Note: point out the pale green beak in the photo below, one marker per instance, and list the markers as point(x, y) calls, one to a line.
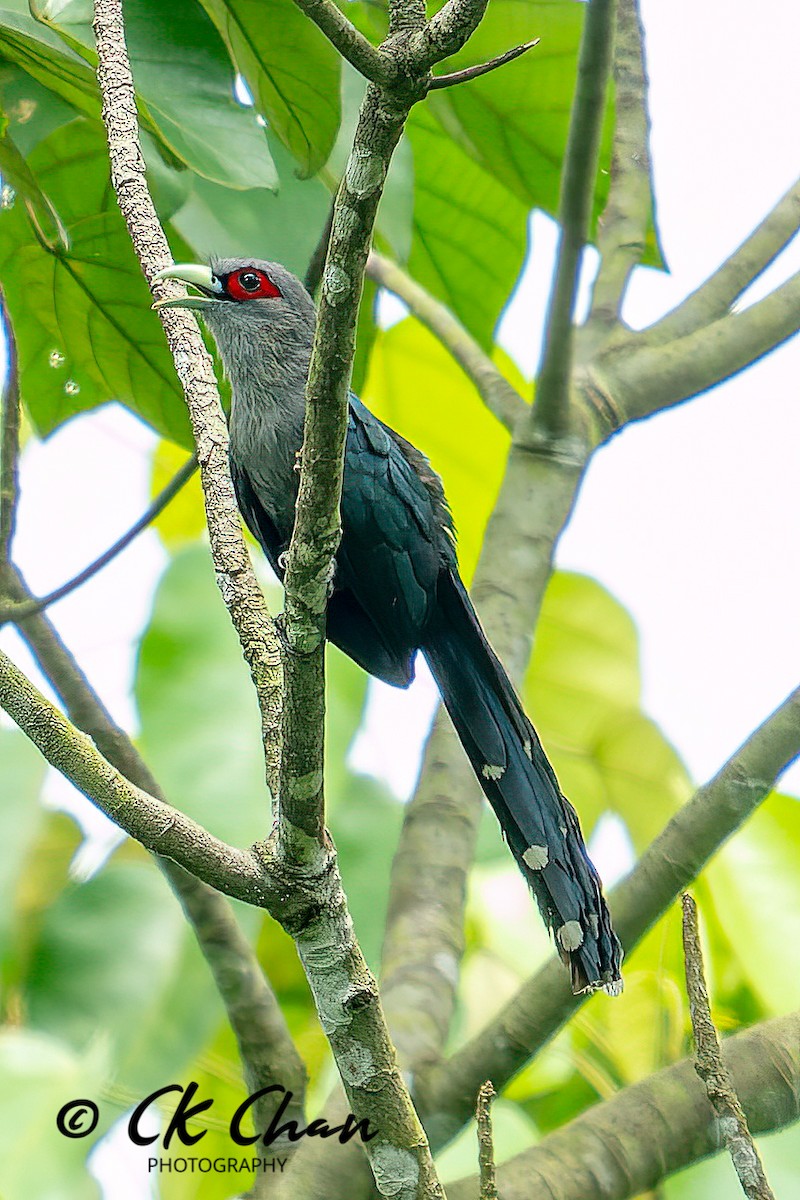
point(197, 275)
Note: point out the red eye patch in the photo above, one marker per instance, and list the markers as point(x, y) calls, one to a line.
point(249, 283)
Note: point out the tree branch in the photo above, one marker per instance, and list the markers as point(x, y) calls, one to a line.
point(33, 604)
point(714, 298)
point(9, 439)
point(370, 62)
point(469, 73)
point(499, 396)
point(622, 229)
point(628, 1144)
point(237, 582)
point(267, 1051)
point(644, 378)
point(447, 1095)
point(483, 1117)
point(447, 31)
point(550, 414)
point(713, 1071)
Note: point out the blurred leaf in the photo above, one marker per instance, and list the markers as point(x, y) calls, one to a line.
point(21, 774)
point(184, 80)
point(755, 889)
point(470, 232)
point(200, 727)
point(583, 691)
point(415, 386)
point(281, 226)
point(33, 110)
point(366, 333)
point(38, 1074)
point(82, 319)
point(716, 1178)
point(183, 520)
point(16, 172)
point(43, 54)
point(291, 69)
point(513, 1133)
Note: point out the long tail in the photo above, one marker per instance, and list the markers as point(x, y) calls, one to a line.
point(539, 824)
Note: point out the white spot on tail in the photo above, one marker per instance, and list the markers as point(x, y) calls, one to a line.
point(535, 857)
point(570, 935)
point(614, 988)
point(490, 771)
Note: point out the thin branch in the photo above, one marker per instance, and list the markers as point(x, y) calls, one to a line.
point(622, 229)
point(234, 571)
point(34, 604)
point(447, 1096)
point(9, 439)
point(163, 830)
point(644, 378)
point(626, 1145)
point(714, 298)
point(486, 1166)
point(550, 415)
point(469, 73)
point(713, 1071)
point(499, 396)
point(351, 44)
point(267, 1051)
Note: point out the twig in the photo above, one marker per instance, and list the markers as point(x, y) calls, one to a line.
point(713, 1071)
point(9, 439)
point(36, 604)
point(550, 414)
point(486, 1167)
point(351, 44)
point(235, 576)
point(644, 377)
point(267, 1051)
point(627, 1144)
point(499, 396)
point(622, 229)
point(676, 857)
point(713, 299)
point(469, 73)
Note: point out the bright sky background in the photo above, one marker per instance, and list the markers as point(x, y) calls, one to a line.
point(691, 519)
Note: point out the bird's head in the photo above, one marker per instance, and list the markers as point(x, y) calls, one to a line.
point(251, 307)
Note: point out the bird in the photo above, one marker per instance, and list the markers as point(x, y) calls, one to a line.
point(396, 588)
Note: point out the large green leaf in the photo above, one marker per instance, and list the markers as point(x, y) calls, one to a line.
point(84, 331)
point(184, 81)
point(44, 55)
point(291, 69)
point(469, 232)
point(33, 110)
point(583, 692)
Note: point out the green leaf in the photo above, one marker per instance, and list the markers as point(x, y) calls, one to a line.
point(282, 226)
point(470, 232)
point(184, 81)
point(43, 54)
point(291, 69)
point(200, 727)
point(755, 890)
point(39, 1074)
point(21, 775)
point(82, 319)
point(33, 110)
point(415, 386)
point(17, 173)
point(583, 692)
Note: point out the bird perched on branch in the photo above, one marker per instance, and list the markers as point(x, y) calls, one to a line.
point(396, 588)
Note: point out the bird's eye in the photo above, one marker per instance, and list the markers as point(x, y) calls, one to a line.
point(249, 283)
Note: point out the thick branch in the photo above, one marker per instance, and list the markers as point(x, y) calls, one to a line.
point(550, 414)
point(352, 45)
point(9, 439)
point(622, 229)
point(237, 582)
point(265, 1045)
point(676, 857)
point(644, 378)
point(627, 1145)
point(713, 1071)
point(448, 31)
point(714, 298)
point(499, 396)
point(33, 604)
